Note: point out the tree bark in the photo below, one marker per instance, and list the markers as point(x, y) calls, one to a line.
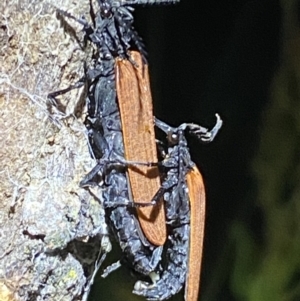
point(51, 229)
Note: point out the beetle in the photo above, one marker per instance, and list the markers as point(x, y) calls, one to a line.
point(185, 208)
point(105, 135)
point(113, 33)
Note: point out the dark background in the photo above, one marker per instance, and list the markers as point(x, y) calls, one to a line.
point(210, 57)
point(207, 57)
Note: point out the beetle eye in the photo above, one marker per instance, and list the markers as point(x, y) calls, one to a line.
point(173, 138)
point(105, 10)
point(105, 13)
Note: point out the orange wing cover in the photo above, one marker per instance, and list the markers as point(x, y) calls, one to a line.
point(136, 110)
point(197, 207)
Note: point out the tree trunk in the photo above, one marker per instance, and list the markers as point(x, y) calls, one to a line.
point(46, 219)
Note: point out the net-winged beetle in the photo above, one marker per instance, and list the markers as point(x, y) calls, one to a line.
point(185, 214)
point(113, 34)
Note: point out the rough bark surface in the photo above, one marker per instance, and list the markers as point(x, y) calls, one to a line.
point(49, 227)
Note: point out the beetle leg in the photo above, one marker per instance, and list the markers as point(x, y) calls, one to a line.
point(204, 134)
